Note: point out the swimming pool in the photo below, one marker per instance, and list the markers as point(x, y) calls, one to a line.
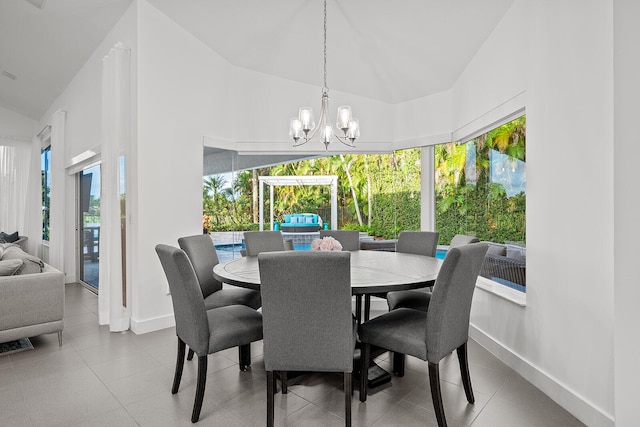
point(230, 251)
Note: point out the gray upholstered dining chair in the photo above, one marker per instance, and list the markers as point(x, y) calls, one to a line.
point(419, 299)
point(433, 334)
point(203, 256)
point(349, 239)
point(418, 242)
point(263, 241)
point(204, 331)
point(308, 325)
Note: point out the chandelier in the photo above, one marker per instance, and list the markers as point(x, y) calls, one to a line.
point(303, 128)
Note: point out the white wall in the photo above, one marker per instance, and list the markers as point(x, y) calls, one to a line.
point(626, 233)
point(183, 94)
point(16, 126)
point(423, 121)
point(563, 340)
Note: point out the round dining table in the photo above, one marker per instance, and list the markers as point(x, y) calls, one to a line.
point(372, 272)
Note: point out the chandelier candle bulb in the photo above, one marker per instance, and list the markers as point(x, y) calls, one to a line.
point(344, 117)
point(354, 130)
point(327, 134)
point(295, 130)
point(306, 118)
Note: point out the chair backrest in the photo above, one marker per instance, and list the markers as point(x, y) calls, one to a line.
point(349, 239)
point(306, 311)
point(418, 242)
point(450, 304)
point(188, 303)
point(263, 241)
point(461, 239)
point(203, 256)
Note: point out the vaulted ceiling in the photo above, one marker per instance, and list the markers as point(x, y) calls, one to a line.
point(392, 51)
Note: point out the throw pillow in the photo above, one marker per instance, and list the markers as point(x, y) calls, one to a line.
point(9, 238)
point(9, 267)
point(308, 220)
point(30, 263)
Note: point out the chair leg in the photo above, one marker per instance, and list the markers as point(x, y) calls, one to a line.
point(398, 364)
point(270, 399)
point(364, 370)
point(283, 380)
point(60, 338)
point(244, 355)
point(436, 395)
point(202, 382)
point(347, 398)
point(179, 365)
point(464, 371)
point(190, 355)
point(367, 307)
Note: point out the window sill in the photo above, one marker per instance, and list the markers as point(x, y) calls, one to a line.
point(502, 291)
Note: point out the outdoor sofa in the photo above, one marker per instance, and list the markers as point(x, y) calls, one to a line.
point(301, 223)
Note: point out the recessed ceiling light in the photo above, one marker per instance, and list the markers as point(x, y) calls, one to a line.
point(37, 3)
point(8, 74)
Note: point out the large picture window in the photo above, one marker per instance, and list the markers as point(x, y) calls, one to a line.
point(480, 190)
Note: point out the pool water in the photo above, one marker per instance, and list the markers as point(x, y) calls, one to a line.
point(230, 251)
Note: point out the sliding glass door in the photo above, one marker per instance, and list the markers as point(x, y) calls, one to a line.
point(89, 225)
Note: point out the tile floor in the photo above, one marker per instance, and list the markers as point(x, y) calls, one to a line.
point(98, 378)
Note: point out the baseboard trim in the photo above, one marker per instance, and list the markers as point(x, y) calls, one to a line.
point(150, 325)
point(573, 402)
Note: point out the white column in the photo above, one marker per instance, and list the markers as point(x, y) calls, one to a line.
point(261, 207)
point(427, 190)
point(334, 204)
point(271, 204)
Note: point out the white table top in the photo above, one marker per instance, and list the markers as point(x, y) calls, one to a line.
point(371, 272)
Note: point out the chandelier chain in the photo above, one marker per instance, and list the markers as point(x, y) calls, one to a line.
point(325, 88)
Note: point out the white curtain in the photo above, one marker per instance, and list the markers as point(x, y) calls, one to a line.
point(15, 168)
point(114, 295)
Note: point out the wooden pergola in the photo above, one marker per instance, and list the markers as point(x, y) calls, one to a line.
point(281, 181)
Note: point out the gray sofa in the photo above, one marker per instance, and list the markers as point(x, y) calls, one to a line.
point(31, 299)
point(506, 264)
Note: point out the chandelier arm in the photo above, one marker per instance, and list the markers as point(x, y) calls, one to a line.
point(346, 141)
